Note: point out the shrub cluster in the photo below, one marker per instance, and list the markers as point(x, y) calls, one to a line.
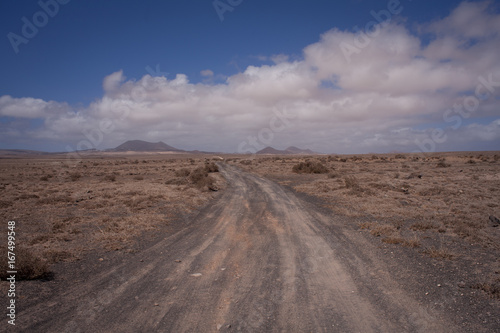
point(201, 179)
point(211, 167)
point(309, 167)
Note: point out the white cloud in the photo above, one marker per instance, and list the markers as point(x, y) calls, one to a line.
point(113, 81)
point(207, 73)
point(30, 107)
point(373, 100)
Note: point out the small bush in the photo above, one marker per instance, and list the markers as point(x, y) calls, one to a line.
point(412, 242)
point(309, 167)
point(439, 253)
point(378, 230)
point(356, 189)
point(351, 182)
point(28, 265)
point(110, 178)
point(422, 226)
point(492, 288)
point(393, 239)
point(200, 178)
point(184, 172)
point(75, 176)
point(442, 164)
point(211, 167)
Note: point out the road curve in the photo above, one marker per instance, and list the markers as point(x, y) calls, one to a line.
point(258, 260)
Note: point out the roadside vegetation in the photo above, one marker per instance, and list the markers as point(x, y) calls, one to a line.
point(63, 210)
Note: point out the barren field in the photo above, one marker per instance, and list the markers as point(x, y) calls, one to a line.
point(177, 243)
point(64, 209)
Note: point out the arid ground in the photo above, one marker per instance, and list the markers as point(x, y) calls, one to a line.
point(173, 243)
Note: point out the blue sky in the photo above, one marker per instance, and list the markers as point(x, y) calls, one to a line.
point(53, 94)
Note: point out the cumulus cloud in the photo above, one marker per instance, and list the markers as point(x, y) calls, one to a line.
point(30, 107)
point(113, 81)
point(375, 97)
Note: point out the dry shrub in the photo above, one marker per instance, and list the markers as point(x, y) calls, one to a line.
point(211, 167)
point(422, 225)
point(412, 242)
point(200, 178)
point(26, 196)
point(138, 178)
point(442, 164)
point(463, 230)
point(136, 204)
point(366, 225)
point(184, 172)
point(40, 239)
point(28, 265)
point(110, 178)
point(352, 183)
point(309, 167)
point(332, 175)
point(492, 288)
point(378, 229)
point(439, 253)
point(393, 239)
point(5, 203)
point(74, 176)
point(246, 162)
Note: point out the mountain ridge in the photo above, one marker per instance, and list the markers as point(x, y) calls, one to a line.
point(292, 150)
point(144, 146)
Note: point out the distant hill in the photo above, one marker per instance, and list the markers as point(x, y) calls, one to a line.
point(139, 145)
point(21, 152)
point(288, 151)
point(295, 150)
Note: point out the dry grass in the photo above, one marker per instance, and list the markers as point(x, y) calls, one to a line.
point(439, 252)
point(491, 287)
point(28, 265)
point(64, 209)
point(436, 193)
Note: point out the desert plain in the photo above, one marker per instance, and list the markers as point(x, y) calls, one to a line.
point(435, 215)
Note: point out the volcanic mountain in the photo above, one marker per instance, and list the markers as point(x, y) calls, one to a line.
point(139, 145)
point(288, 151)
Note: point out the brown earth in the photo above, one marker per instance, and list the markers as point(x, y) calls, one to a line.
point(260, 256)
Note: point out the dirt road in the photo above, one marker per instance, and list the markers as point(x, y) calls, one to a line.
point(259, 260)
